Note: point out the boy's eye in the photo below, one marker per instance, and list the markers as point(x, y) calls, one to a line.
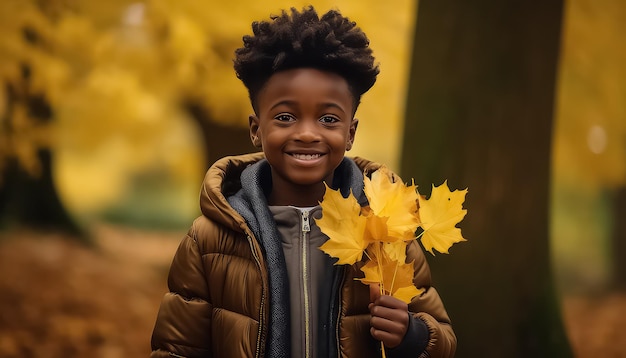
point(284, 117)
point(329, 119)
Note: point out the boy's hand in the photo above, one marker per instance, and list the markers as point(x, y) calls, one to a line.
point(390, 317)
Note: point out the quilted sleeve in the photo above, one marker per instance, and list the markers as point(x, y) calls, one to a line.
point(183, 324)
point(429, 308)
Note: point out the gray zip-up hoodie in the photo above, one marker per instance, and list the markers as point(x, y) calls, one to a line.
point(310, 274)
point(251, 203)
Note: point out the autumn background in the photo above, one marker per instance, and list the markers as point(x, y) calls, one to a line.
point(110, 113)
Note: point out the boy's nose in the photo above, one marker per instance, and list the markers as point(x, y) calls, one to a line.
point(307, 132)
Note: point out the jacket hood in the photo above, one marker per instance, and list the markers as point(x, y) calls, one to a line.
point(223, 180)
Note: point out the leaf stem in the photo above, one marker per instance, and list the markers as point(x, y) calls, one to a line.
point(379, 257)
point(393, 280)
point(381, 288)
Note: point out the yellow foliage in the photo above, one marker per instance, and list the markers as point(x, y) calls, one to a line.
point(590, 116)
point(122, 71)
point(341, 220)
point(383, 230)
point(395, 250)
point(396, 279)
point(439, 215)
point(394, 201)
point(376, 228)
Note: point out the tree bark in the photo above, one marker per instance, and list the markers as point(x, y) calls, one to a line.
point(479, 114)
point(220, 139)
point(33, 201)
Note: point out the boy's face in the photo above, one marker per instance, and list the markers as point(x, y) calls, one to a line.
point(304, 125)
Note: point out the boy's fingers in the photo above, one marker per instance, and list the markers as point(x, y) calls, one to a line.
point(392, 302)
point(390, 340)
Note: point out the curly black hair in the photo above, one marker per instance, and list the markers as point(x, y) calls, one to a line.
point(302, 39)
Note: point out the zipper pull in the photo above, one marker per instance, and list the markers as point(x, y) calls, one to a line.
point(305, 221)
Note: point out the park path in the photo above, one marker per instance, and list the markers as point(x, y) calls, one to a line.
point(62, 299)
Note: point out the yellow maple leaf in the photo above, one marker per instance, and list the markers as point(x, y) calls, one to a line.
point(376, 229)
point(345, 227)
point(395, 278)
point(439, 215)
point(395, 250)
point(407, 293)
point(395, 201)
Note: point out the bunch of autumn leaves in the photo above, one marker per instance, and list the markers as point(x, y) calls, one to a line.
point(382, 230)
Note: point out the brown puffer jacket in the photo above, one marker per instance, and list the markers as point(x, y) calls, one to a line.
point(218, 303)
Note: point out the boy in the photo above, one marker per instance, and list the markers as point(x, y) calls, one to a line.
point(249, 279)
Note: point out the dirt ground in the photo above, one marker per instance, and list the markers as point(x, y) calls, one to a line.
point(61, 299)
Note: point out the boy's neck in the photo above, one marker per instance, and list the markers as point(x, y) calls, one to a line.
point(300, 196)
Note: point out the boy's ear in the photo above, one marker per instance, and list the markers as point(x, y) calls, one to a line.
point(253, 121)
point(352, 133)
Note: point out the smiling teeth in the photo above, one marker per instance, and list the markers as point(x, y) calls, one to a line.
point(306, 156)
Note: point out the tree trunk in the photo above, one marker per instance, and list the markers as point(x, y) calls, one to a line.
point(479, 113)
point(27, 200)
point(33, 201)
point(221, 140)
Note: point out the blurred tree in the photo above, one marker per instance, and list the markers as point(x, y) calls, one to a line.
point(590, 135)
point(116, 75)
point(76, 75)
point(28, 194)
point(27, 191)
point(479, 114)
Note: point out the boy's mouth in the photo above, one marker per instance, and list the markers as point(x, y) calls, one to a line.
point(305, 156)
